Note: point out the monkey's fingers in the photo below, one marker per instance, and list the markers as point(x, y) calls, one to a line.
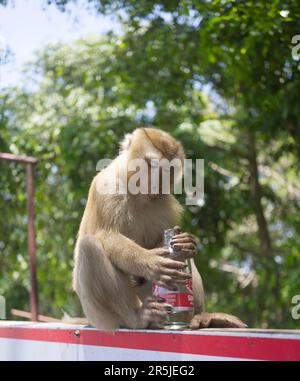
point(200, 321)
point(152, 315)
point(179, 281)
point(153, 299)
point(158, 321)
point(157, 313)
point(176, 274)
point(186, 242)
point(170, 283)
point(184, 239)
point(183, 236)
point(185, 246)
point(153, 312)
point(188, 253)
point(167, 282)
point(161, 252)
point(160, 306)
point(157, 317)
point(172, 264)
point(177, 229)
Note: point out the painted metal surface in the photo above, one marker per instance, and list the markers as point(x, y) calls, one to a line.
point(53, 341)
point(31, 242)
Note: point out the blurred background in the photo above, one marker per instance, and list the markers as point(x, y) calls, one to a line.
point(222, 76)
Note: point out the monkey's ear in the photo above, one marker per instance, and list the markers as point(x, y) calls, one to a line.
point(126, 142)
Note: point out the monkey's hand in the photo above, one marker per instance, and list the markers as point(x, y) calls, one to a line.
point(216, 320)
point(153, 312)
point(184, 242)
point(166, 272)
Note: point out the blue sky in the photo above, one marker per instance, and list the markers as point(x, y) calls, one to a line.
point(27, 27)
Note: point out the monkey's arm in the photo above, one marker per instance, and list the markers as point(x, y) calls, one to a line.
point(204, 319)
point(135, 260)
point(123, 252)
point(187, 245)
point(198, 291)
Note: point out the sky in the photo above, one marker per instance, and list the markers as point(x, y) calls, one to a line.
point(27, 27)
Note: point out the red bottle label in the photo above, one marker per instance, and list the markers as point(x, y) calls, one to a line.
point(182, 298)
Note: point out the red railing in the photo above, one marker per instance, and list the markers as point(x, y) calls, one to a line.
point(29, 163)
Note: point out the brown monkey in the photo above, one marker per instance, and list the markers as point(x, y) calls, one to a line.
point(119, 250)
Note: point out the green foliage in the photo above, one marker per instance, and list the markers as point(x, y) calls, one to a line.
point(215, 74)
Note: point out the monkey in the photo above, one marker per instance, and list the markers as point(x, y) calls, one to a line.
point(119, 251)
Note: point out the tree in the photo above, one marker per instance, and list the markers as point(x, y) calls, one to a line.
point(87, 95)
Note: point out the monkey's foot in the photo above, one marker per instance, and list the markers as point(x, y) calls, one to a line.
point(153, 313)
point(216, 320)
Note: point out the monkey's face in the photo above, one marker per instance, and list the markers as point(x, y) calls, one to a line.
point(155, 162)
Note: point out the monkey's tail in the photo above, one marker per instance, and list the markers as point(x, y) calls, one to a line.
point(101, 287)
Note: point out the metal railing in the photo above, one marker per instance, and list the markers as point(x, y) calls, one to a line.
point(29, 163)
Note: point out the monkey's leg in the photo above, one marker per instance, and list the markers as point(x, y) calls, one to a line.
point(108, 298)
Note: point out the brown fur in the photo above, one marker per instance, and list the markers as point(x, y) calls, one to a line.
point(116, 235)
